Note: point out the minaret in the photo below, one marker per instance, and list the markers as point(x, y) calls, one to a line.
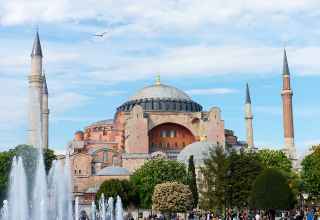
point(286, 94)
point(35, 95)
point(45, 113)
point(248, 119)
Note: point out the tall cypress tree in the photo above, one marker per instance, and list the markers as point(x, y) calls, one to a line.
point(192, 181)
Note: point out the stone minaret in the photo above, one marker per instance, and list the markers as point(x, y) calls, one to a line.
point(35, 95)
point(45, 114)
point(286, 94)
point(248, 119)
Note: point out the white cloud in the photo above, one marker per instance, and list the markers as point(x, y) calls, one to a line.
point(181, 14)
point(68, 100)
point(211, 91)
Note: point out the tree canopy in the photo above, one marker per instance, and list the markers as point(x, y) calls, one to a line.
point(192, 182)
point(271, 191)
point(115, 187)
point(274, 159)
point(213, 183)
point(154, 172)
point(311, 173)
point(172, 197)
point(243, 169)
point(29, 155)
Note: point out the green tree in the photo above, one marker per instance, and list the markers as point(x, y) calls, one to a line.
point(311, 173)
point(213, 185)
point(275, 159)
point(192, 182)
point(5, 166)
point(123, 188)
point(172, 197)
point(154, 172)
point(271, 191)
point(243, 169)
point(29, 155)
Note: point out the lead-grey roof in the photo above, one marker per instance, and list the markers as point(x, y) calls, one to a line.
point(160, 91)
point(248, 99)
point(44, 86)
point(285, 63)
point(199, 150)
point(113, 171)
point(36, 49)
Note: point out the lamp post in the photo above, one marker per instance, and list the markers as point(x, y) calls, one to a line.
point(305, 196)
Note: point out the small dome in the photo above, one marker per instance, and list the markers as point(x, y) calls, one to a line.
point(199, 150)
point(113, 171)
point(160, 91)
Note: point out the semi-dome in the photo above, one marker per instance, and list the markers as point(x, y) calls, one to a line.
point(113, 171)
point(160, 97)
point(199, 150)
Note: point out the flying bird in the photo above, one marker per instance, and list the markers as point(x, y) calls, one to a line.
point(100, 34)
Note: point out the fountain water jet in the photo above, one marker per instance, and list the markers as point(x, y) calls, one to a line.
point(119, 209)
point(93, 211)
point(76, 209)
point(17, 206)
point(110, 209)
point(40, 193)
point(60, 197)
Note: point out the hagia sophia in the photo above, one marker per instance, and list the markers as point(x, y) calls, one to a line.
point(159, 120)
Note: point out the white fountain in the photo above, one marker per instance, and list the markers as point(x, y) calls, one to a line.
point(18, 198)
point(93, 211)
point(60, 201)
point(119, 209)
point(50, 200)
point(40, 193)
point(110, 209)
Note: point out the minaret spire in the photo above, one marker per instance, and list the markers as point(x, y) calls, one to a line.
point(285, 63)
point(289, 147)
point(248, 119)
point(248, 99)
point(35, 95)
point(36, 49)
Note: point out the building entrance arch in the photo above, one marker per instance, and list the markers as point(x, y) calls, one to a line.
point(168, 137)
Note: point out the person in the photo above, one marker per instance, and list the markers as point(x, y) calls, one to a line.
point(83, 215)
point(257, 217)
point(229, 215)
point(310, 214)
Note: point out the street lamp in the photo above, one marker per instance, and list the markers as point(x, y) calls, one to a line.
point(305, 196)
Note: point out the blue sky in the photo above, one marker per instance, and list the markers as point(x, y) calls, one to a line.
point(208, 48)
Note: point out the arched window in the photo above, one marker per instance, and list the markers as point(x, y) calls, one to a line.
point(163, 133)
point(173, 133)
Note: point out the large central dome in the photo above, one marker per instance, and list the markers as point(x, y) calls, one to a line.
point(160, 97)
point(160, 91)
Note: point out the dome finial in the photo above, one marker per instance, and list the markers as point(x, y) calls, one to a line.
point(158, 80)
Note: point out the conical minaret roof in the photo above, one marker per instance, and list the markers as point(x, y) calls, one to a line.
point(285, 63)
point(248, 99)
point(44, 85)
point(36, 49)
